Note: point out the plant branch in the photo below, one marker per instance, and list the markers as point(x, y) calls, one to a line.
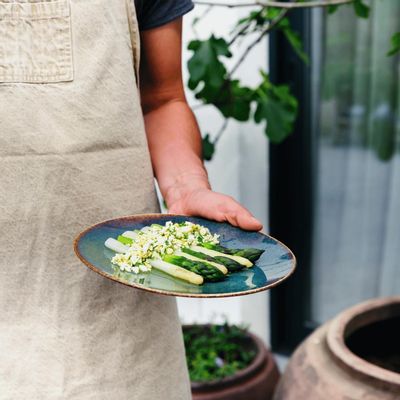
point(276, 4)
point(267, 29)
point(202, 16)
point(242, 31)
point(221, 131)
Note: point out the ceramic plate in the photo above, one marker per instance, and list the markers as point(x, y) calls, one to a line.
point(275, 265)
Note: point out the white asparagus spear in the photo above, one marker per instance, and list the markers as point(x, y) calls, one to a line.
point(177, 272)
point(116, 245)
point(130, 234)
point(170, 269)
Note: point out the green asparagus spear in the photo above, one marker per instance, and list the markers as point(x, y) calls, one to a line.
point(125, 240)
point(250, 253)
point(207, 271)
point(221, 267)
point(230, 264)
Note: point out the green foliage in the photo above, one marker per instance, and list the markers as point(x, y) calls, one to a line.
point(216, 352)
point(213, 84)
point(234, 100)
point(361, 9)
point(293, 38)
point(256, 20)
point(208, 148)
point(333, 8)
point(208, 78)
point(206, 66)
point(395, 43)
point(276, 106)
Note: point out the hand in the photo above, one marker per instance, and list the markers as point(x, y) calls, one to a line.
point(203, 202)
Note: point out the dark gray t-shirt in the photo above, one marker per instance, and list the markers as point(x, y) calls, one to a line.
point(154, 13)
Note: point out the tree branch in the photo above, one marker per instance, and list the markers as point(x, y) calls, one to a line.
point(267, 29)
point(199, 18)
point(243, 30)
point(221, 131)
point(276, 4)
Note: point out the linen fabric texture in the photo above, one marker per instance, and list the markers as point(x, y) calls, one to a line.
point(73, 152)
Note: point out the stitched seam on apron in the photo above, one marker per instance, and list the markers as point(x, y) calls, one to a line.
point(20, 61)
point(34, 11)
point(72, 153)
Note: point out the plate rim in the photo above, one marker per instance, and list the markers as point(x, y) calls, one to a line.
point(171, 293)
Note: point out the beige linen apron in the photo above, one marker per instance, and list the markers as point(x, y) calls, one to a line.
point(73, 152)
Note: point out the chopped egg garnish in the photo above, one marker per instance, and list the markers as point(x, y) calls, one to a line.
point(155, 241)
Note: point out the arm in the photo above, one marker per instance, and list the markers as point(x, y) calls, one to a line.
point(173, 135)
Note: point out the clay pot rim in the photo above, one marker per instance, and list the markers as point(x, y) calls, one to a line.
point(350, 320)
point(256, 365)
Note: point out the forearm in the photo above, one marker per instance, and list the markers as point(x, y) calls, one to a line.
point(175, 147)
point(173, 135)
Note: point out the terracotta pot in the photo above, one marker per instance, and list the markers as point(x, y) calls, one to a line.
point(354, 356)
point(255, 382)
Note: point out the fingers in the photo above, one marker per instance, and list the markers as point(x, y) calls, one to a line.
point(237, 215)
point(242, 218)
point(218, 207)
point(175, 209)
point(249, 223)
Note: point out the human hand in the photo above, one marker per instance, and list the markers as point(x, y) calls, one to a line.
point(203, 202)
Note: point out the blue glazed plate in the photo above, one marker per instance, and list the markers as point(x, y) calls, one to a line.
point(275, 265)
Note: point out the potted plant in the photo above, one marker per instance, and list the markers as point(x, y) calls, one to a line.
point(228, 362)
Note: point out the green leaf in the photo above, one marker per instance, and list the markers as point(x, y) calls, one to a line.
point(254, 16)
point(296, 43)
point(204, 65)
point(395, 42)
point(278, 107)
point(333, 8)
point(208, 78)
point(294, 39)
point(195, 21)
point(216, 351)
point(208, 148)
point(272, 12)
point(235, 101)
point(361, 9)
point(284, 24)
point(257, 20)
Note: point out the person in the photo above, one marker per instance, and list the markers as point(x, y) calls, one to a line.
point(73, 152)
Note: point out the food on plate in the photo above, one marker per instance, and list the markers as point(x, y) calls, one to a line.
point(251, 254)
point(183, 250)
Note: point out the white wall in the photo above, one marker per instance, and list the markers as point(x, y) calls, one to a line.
point(239, 168)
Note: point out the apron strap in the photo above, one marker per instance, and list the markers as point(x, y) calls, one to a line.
point(135, 36)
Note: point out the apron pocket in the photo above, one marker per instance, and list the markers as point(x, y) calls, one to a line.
point(35, 41)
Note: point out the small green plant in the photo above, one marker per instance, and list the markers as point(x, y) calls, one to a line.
point(216, 351)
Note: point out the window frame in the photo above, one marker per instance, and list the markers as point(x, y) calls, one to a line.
point(292, 166)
